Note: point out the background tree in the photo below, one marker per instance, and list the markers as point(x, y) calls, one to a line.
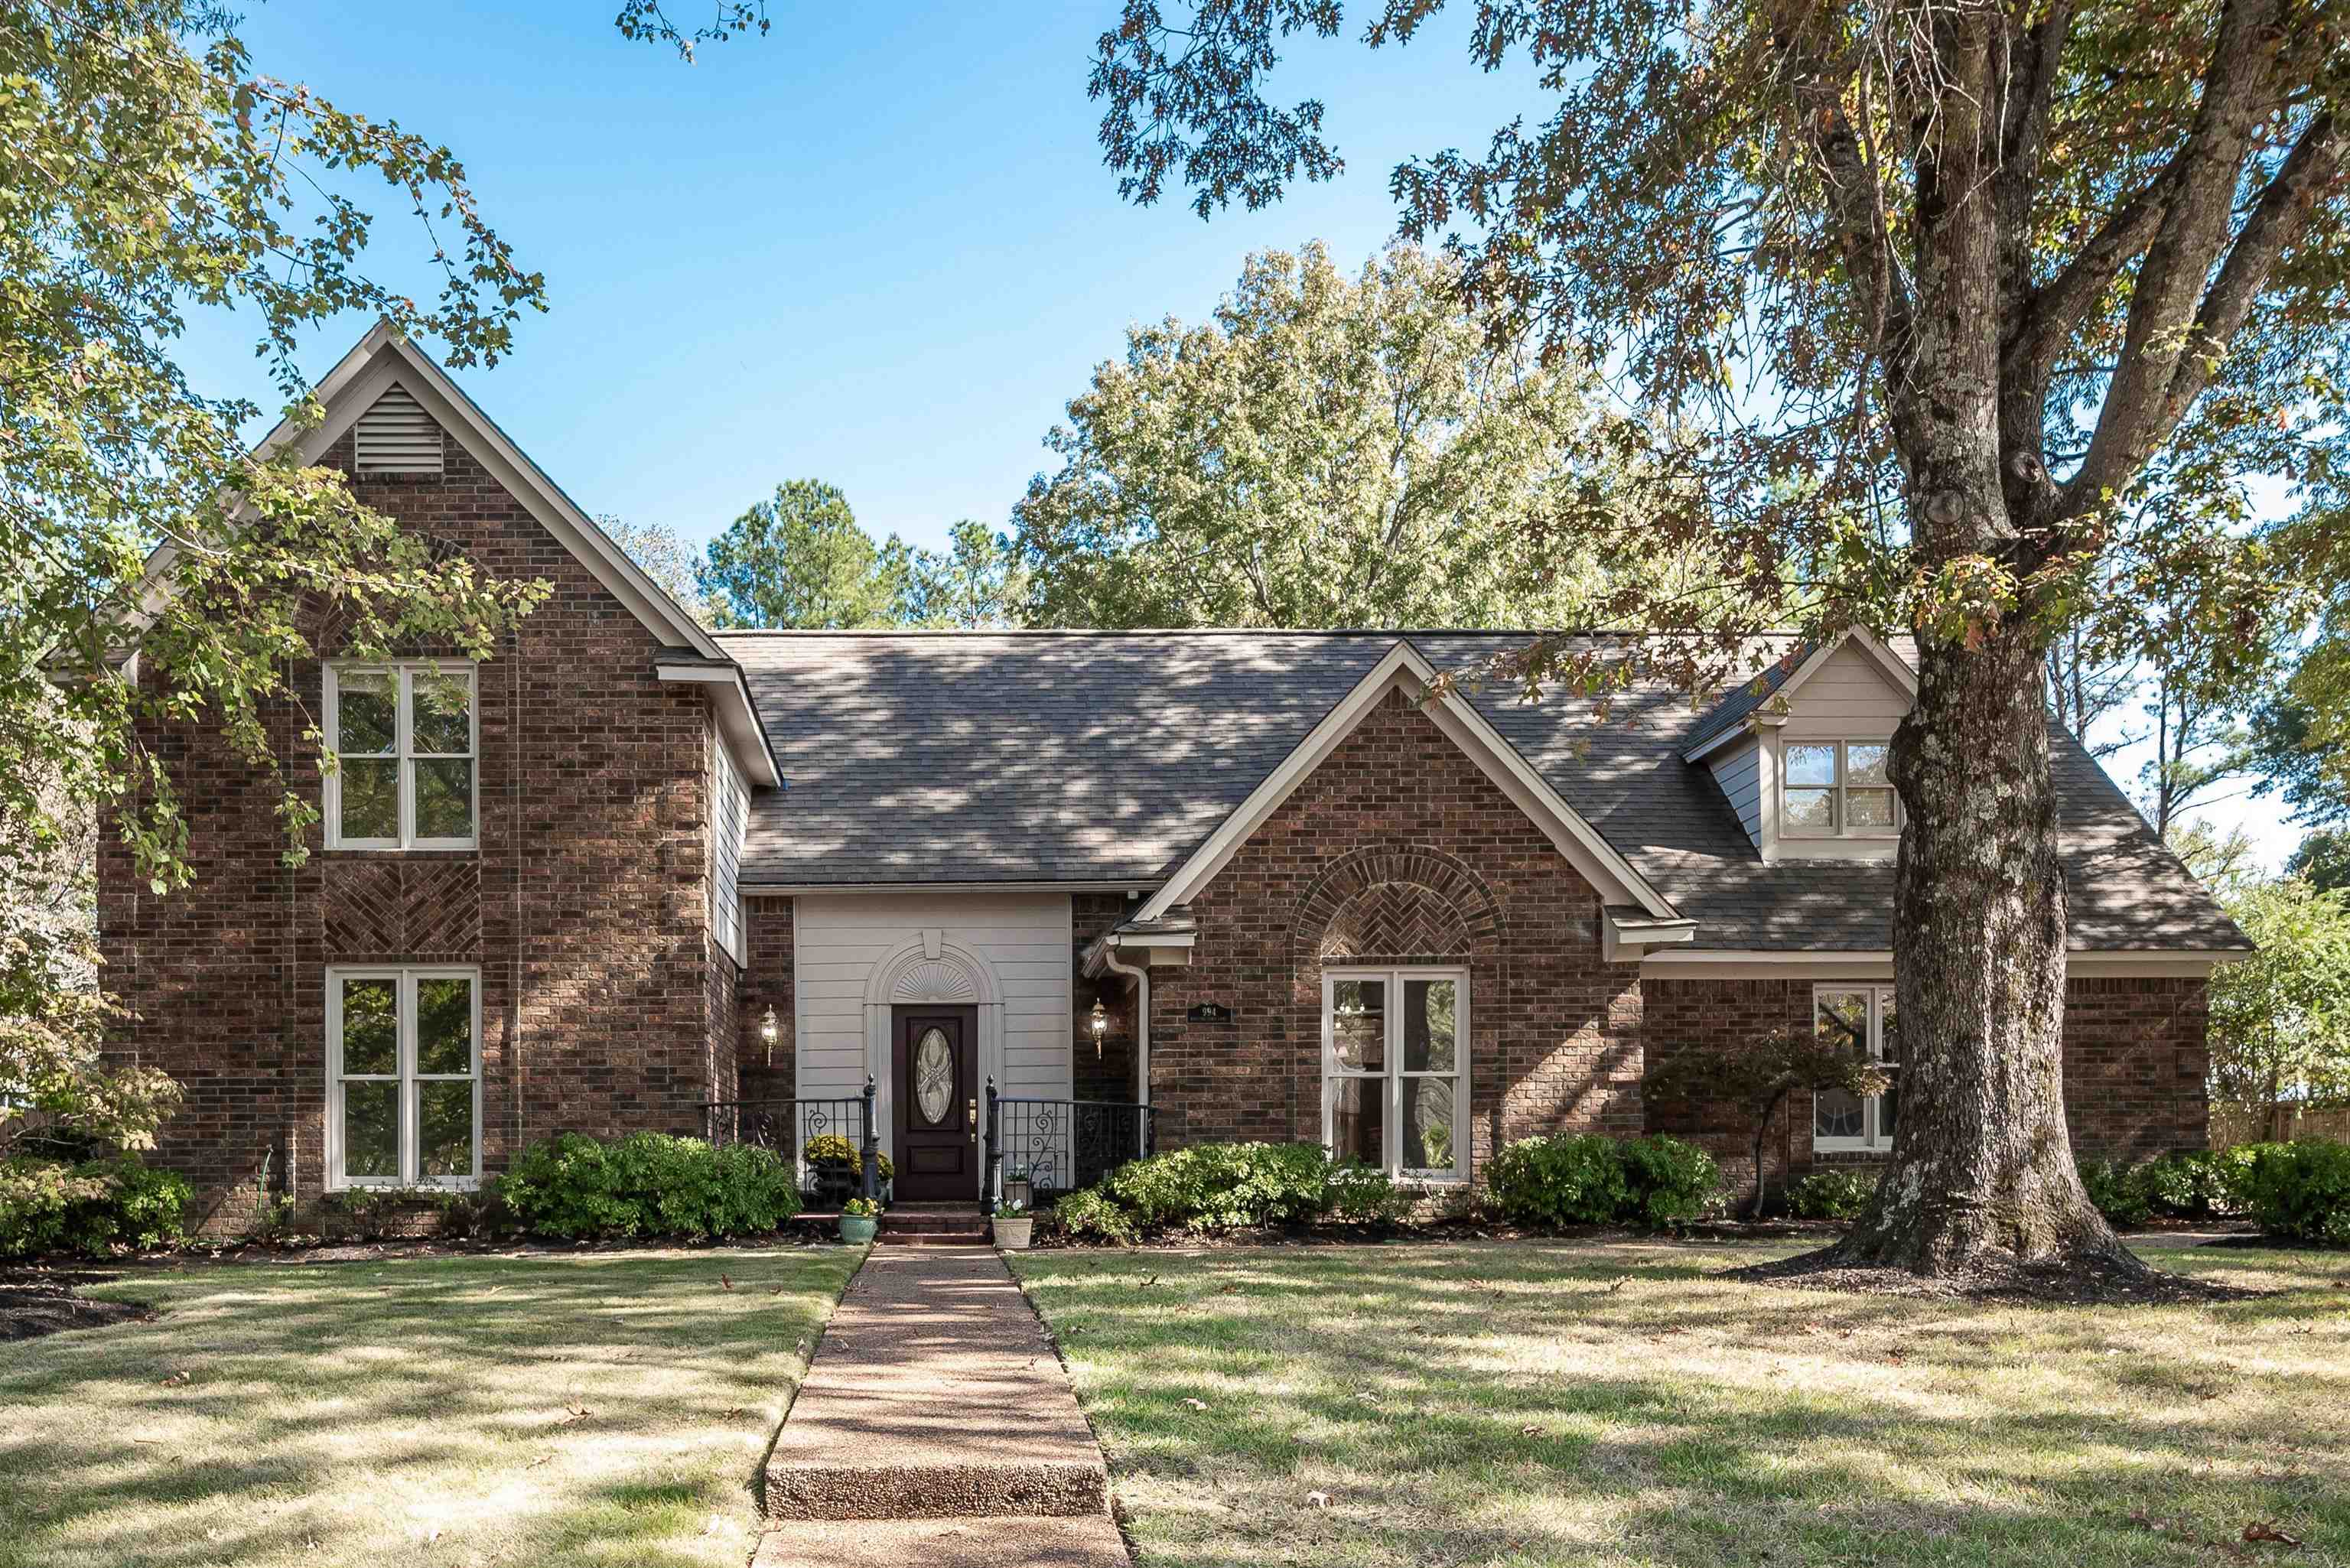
point(147, 170)
point(1759, 1074)
point(799, 559)
point(1325, 451)
point(1916, 293)
point(977, 583)
point(666, 558)
point(2281, 1020)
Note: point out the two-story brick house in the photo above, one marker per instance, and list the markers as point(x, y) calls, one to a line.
point(1257, 880)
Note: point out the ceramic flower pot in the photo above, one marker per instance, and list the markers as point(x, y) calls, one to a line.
point(857, 1229)
point(1012, 1235)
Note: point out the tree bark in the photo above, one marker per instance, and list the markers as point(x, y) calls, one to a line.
point(1981, 1162)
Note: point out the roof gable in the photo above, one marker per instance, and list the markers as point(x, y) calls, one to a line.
point(1777, 686)
point(1405, 669)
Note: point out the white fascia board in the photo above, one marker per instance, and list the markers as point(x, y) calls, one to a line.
point(796, 889)
point(1152, 939)
point(1405, 666)
point(1725, 964)
point(738, 717)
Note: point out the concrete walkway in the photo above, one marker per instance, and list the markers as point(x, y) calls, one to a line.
point(936, 1427)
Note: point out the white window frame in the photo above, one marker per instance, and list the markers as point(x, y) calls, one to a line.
point(404, 673)
point(404, 977)
point(1873, 1139)
point(1839, 792)
point(727, 786)
point(1392, 1075)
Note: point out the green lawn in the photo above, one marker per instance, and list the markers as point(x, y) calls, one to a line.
point(587, 1409)
point(1511, 1404)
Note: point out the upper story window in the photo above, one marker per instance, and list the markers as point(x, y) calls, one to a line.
point(729, 808)
point(1860, 1018)
point(1838, 789)
point(1395, 1070)
point(404, 737)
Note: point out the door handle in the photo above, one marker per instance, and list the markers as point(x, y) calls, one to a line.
point(970, 1108)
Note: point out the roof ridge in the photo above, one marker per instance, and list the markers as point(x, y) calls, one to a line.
point(1203, 631)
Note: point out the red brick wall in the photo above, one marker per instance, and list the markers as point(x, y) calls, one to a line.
point(2134, 1069)
point(585, 906)
point(1110, 1074)
point(1398, 840)
point(767, 983)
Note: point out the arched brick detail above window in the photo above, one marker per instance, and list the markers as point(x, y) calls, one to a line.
point(1393, 902)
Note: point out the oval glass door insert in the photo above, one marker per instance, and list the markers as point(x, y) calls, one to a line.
point(934, 1077)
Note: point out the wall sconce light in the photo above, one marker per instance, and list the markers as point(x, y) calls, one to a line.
point(770, 1031)
point(1100, 1024)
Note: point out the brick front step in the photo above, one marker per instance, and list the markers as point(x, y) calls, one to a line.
point(933, 1224)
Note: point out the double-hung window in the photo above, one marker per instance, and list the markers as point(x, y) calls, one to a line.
point(404, 738)
point(1395, 1069)
point(1838, 789)
point(1860, 1019)
point(403, 1077)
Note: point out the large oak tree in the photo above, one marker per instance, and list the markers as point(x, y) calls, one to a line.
point(1914, 293)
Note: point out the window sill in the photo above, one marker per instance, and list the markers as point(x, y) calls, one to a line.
point(409, 1189)
point(1852, 1147)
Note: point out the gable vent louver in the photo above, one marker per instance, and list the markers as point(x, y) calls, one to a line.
point(397, 436)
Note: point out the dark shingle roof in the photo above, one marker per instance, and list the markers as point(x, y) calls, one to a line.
point(1107, 757)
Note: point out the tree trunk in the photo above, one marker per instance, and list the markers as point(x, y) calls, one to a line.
point(1982, 1168)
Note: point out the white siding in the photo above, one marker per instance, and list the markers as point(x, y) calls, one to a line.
point(1025, 939)
point(1741, 776)
point(1846, 698)
point(729, 806)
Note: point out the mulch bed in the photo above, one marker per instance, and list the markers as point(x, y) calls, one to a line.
point(38, 1301)
point(2093, 1282)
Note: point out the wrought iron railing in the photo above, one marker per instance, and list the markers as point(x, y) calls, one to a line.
point(1059, 1146)
point(791, 1128)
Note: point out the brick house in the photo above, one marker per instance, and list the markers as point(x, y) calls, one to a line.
point(629, 870)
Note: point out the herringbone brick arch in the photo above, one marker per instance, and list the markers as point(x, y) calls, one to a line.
point(1402, 902)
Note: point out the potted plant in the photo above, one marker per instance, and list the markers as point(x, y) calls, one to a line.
point(1019, 1189)
point(1013, 1225)
point(860, 1218)
point(837, 1167)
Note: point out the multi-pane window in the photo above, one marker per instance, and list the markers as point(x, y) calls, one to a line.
point(729, 806)
point(403, 1077)
point(1395, 1054)
point(404, 738)
point(1837, 788)
point(1860, 1019)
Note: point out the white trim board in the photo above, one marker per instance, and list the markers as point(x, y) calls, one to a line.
point(1405, 666)
point(1724, 963)
point(1889, 664)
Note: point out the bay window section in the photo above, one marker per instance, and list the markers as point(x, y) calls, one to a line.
point(1860, 1019)
point(1395, 1070)
point(404, 742)
point(403, 1077)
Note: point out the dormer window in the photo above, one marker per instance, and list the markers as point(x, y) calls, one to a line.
point(1838, 789)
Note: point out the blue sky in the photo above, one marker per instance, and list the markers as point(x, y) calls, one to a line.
point(876, 247)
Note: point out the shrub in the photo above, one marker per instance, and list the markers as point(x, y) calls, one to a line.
point(838, 1148)
point(1225, 1186)
point(1093, 1212)
point(2196, 1184)
point(90, 1208)
point(2300, 1190)
point(1665, 1181)
point(2120, 1191)
point(1566, 1179)
point(1832, 1194)
point(651, 1184)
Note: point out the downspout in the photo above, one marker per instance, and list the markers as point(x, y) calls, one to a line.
point(1140, 974)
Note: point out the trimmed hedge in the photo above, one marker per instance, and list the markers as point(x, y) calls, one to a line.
point(2300, 1190)
point(1226, 1187)
point(2118, 1190)
point(90, 1208)
point(1586, 1179)
point(647, 1184)
point(1832, 1194)
point(2192, 1184)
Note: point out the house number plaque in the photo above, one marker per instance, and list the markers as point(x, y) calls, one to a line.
point(1211, 1013)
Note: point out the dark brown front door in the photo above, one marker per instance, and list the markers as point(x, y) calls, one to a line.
point(936, 1157)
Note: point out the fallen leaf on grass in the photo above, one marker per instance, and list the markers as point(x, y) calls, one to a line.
point(1529, 1430)
point(1196, 1404)
point(2261, 1531)
point(1318, 1498)
point(175, 1380)
point(777, 1292)
point(727, 1283)
point(575, 1413)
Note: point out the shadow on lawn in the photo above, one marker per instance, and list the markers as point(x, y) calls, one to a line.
point(1480, 1405)
point(583, 1409)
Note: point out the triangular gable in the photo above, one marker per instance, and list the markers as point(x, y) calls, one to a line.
point(384, 359)
point(1404, 666)
point(1728, 722)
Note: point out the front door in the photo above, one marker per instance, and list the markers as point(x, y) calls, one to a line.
point(937, 1156)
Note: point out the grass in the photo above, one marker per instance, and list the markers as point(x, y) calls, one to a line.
point(1512, 1404)
point(596, 1408)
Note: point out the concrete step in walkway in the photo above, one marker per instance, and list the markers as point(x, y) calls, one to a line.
point(934, 1224)
point(936, 1426)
